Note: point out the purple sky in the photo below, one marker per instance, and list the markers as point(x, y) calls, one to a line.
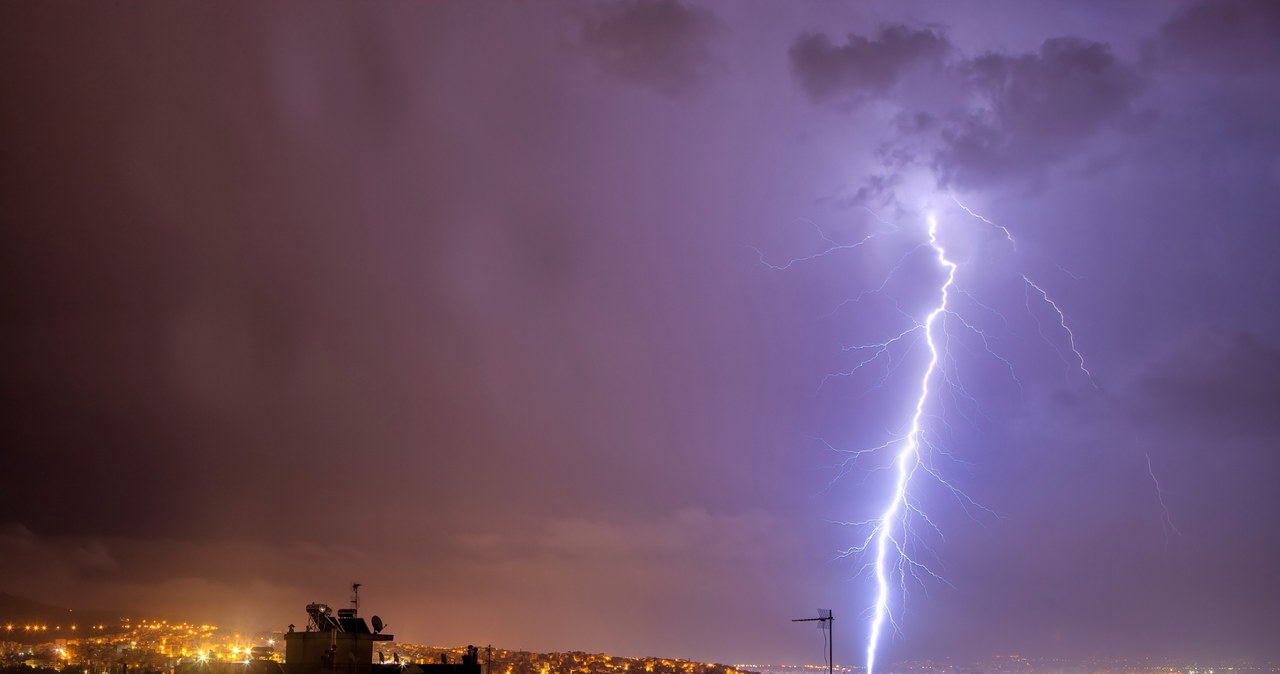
point(463, 301)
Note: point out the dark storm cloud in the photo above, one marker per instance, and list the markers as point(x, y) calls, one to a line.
point(1221, 381)
point(1036, 109)
point(861, 66)
point(998, 116)
point(664, 45)
point(1228, 50)
point(1231, 36)
point(876, 191)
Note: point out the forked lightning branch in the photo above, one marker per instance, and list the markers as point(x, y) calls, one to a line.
point(886, 545)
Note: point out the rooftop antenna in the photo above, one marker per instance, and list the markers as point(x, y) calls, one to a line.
point(355, 598)
point(824, 623)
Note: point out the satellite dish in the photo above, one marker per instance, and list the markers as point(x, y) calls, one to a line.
point(377, 625)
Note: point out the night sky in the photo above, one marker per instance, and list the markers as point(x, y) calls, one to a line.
point(488, 307)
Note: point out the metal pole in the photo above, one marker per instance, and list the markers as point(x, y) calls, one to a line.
point(828, 620)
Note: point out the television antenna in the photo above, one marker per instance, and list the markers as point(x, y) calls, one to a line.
point(824, 623)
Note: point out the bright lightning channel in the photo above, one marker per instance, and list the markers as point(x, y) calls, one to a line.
point(889, 534)
point(906, 463)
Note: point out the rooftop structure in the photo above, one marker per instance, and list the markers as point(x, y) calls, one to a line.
point(333, 644)
point(342, 643)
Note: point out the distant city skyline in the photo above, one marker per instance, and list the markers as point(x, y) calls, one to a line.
point(154, 642)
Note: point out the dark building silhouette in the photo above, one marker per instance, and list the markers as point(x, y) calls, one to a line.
point(332, 644)
point(343, 644)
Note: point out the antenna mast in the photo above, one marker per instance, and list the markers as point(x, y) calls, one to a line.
point(355, 598)
point(824, 623)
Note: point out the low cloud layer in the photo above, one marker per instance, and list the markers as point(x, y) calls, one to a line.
point(611, 572)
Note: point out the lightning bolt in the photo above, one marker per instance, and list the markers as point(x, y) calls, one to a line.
point(888, 540)
point(888, 535)
point(906, 463)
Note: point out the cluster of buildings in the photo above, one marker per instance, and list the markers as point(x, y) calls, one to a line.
point(142, 645)
point(343, 642)
point(501, 661)
point(329, 642)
